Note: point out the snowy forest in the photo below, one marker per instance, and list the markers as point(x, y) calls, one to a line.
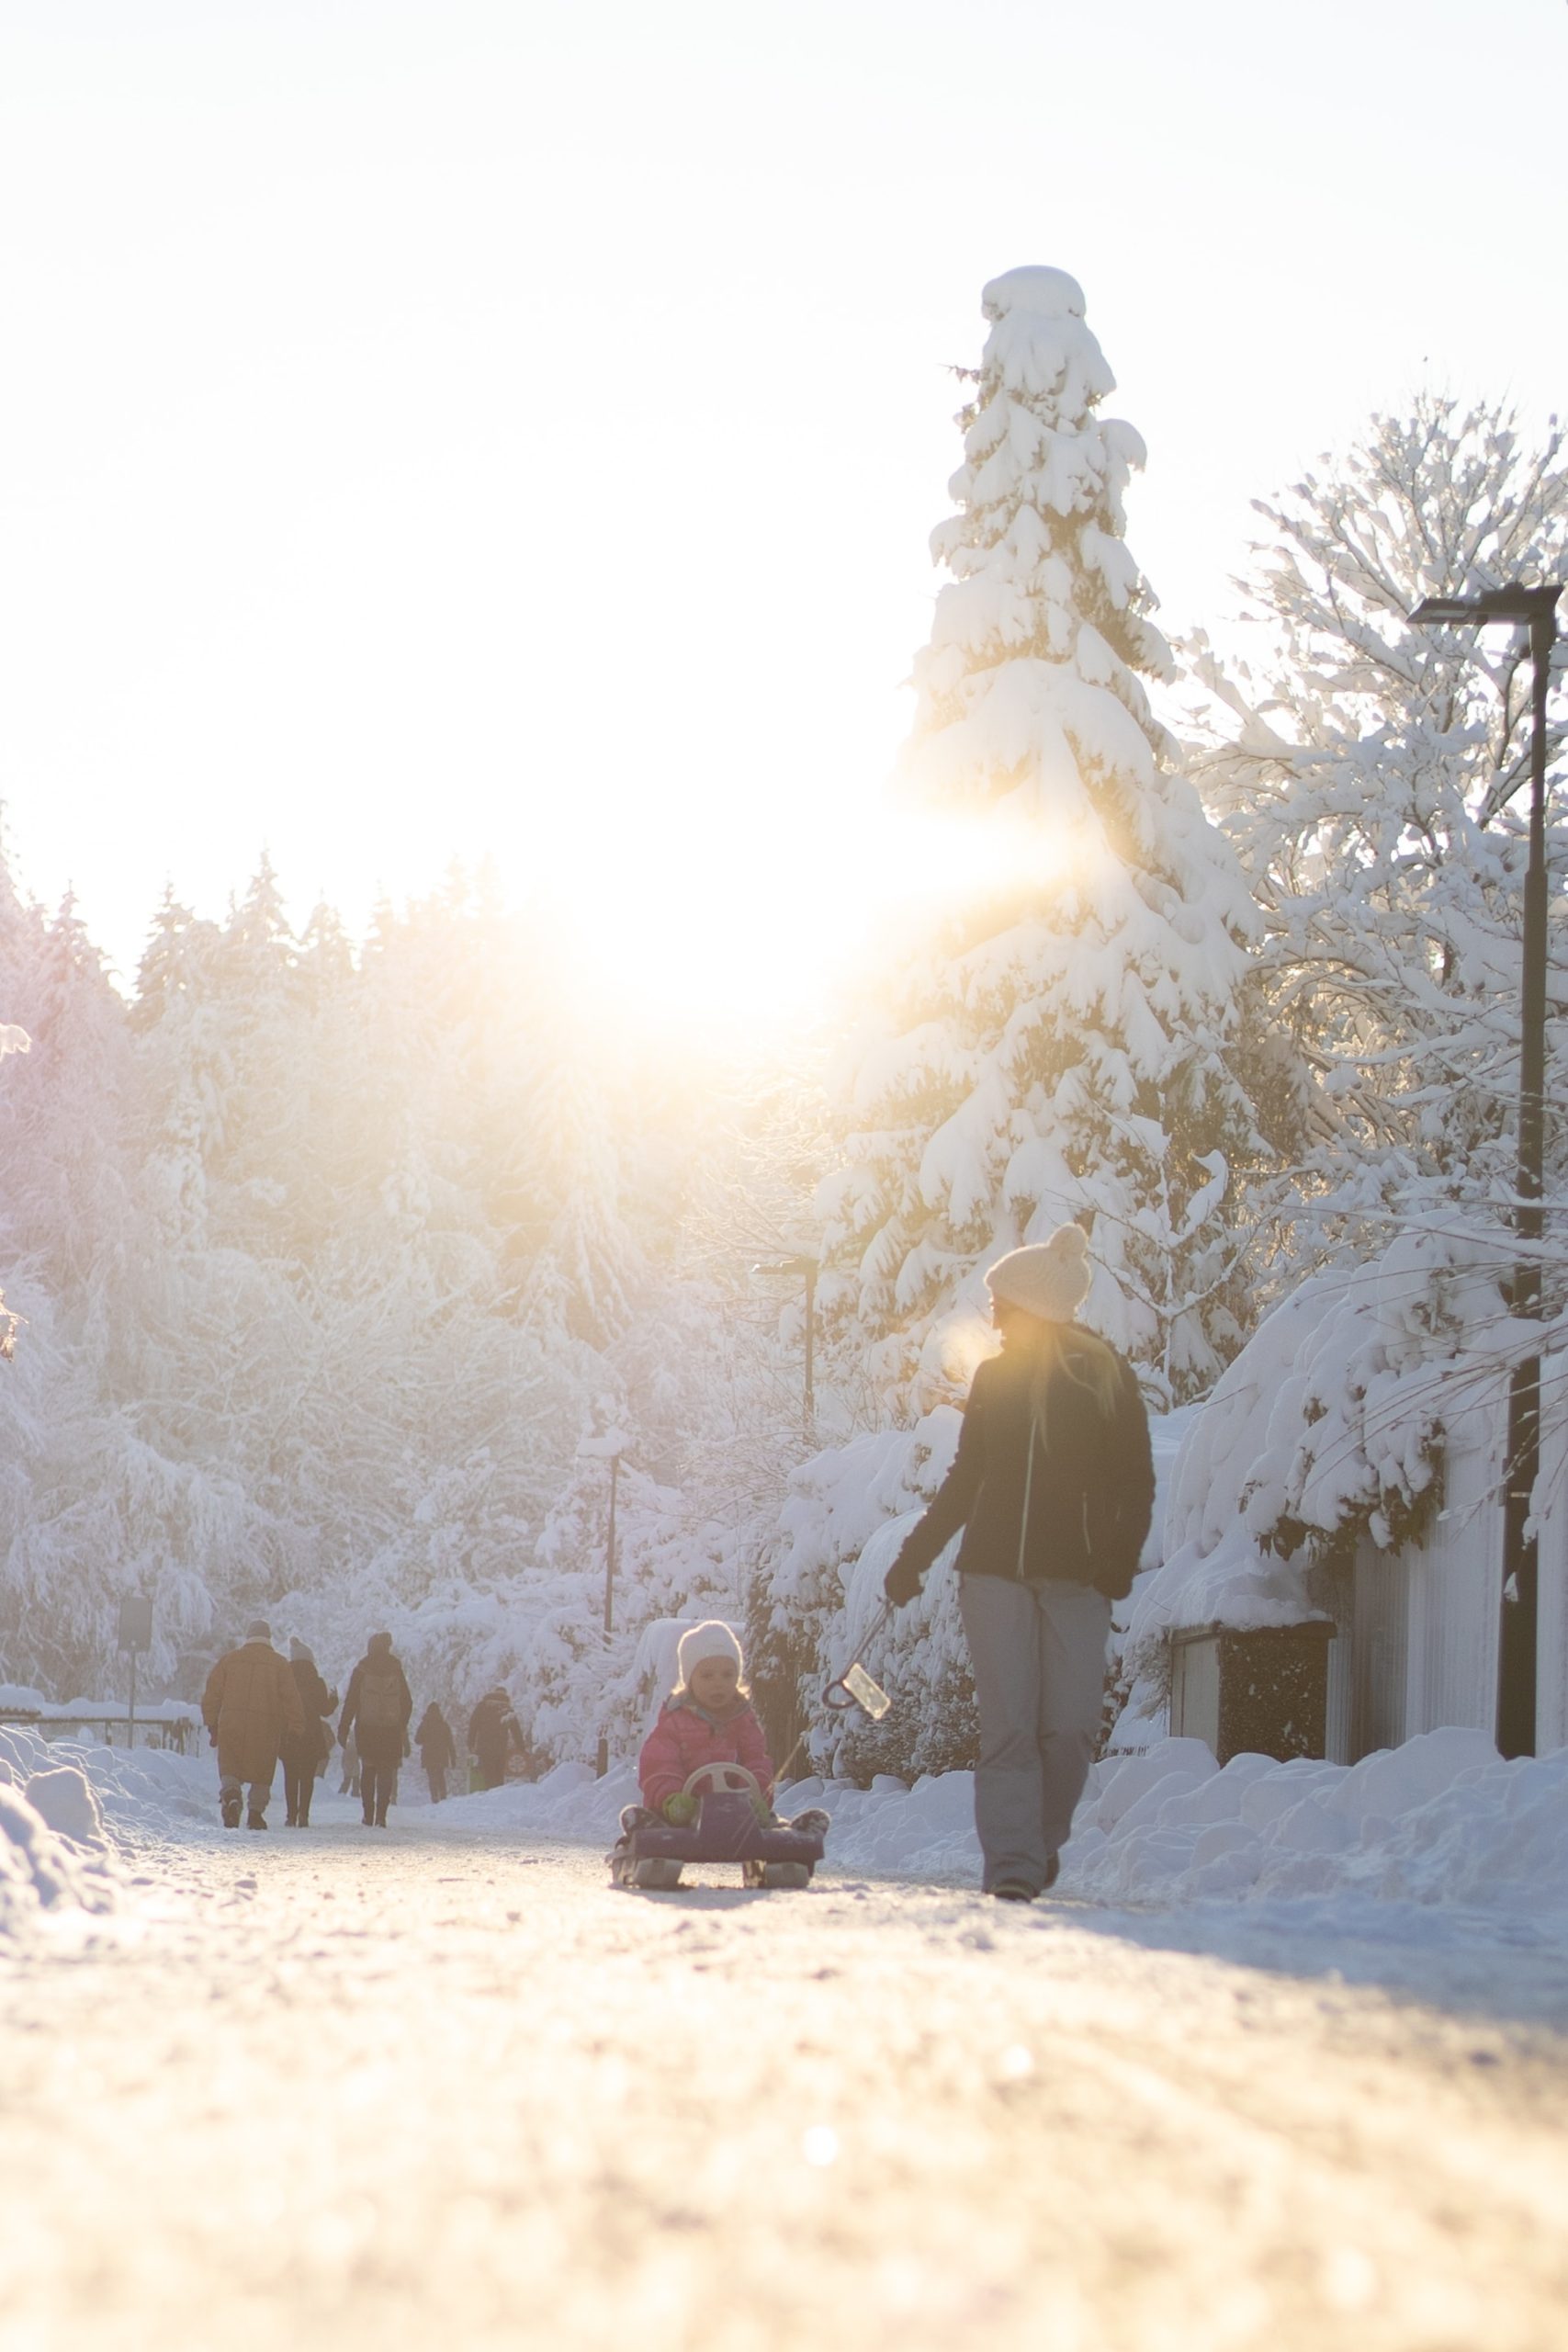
point(349, 1281)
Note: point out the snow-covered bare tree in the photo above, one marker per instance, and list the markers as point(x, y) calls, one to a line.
point(1369, 773)
point(1060, 1045)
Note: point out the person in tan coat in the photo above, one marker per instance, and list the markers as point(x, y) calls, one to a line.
point(249, 1702)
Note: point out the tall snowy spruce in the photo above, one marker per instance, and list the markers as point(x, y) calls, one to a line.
point(1060, 1043)
point(1059, 1047)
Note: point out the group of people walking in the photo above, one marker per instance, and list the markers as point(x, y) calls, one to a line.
point(262, 1709)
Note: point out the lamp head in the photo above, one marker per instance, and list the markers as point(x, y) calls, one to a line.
point(1532, 606)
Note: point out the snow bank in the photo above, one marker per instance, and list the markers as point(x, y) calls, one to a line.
point(54, 1853)
point(1442, 1819)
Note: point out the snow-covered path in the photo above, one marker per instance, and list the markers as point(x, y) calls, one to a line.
point(443, 2087)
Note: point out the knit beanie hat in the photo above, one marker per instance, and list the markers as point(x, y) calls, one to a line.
point(713, 1638)
point(298, 1650)
point(258, 1629)
point(1050, 1279)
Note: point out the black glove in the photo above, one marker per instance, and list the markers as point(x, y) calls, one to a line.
point(903, 1580)
point(1114, 1580)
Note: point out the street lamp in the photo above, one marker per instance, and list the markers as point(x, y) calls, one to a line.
point(1536, 609)
point(807, 1268)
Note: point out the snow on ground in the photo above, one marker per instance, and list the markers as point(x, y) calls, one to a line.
point(441, 2083)
point(354, 2089)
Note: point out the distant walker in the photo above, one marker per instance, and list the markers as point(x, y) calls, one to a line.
point(377, 1710)
point(250, 1705)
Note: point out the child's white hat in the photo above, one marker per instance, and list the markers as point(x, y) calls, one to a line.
point(713, 1638)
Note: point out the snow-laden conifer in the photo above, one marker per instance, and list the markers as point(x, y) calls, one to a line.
point(1058, 1045)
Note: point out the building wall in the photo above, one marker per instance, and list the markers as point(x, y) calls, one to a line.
point(1552, 1506)
point(1379, 1648)
point(1456, 1577)
point(1419, 1628)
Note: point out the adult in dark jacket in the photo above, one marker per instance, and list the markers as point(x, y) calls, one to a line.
point(437, 1749)
point(375, 1709)
point(249, 1704)
point(302, 1751)
point(1053, 1485)
point(493, 1733)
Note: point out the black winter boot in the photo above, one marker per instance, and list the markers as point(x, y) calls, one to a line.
point(231, 1810)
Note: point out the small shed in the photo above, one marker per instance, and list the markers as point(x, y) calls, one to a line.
point(1259, 1693)
point(1351, 1465)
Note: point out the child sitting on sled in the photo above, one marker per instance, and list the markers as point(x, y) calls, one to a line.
point(707, 1719)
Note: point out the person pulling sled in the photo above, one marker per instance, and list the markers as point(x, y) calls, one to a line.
point(707, 1782)
point(1052, 1486)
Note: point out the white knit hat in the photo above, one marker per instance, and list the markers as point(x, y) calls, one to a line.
point(1050, 1279)
point(713, 1638)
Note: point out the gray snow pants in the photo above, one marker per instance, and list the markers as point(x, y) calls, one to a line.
point(1038, 1651)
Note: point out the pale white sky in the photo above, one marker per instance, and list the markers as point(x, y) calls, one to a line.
point(430, 427)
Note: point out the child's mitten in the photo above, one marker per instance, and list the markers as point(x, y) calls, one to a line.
point(680, 1809)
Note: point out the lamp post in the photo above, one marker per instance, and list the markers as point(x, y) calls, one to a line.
point(609, 1446)
point(1536, 609)
point(808, 1269)
point(609, 1547)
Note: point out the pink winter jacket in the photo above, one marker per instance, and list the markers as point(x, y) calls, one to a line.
point(683, 1738)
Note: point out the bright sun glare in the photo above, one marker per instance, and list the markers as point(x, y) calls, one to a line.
point(735, 927)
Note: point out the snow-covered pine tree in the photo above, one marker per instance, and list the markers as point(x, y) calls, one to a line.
point(1062, 1042)
point(1373, 775)
point(1061, 1046)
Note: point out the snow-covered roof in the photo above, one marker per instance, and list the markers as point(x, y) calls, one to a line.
point(1330, 1423)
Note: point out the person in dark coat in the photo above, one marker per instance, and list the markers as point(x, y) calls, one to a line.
point(1053, 1485)
point(375, 1709)
point(493, 1733)
point(437, 1749)
point(302, 1752)
point(250, 1703)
